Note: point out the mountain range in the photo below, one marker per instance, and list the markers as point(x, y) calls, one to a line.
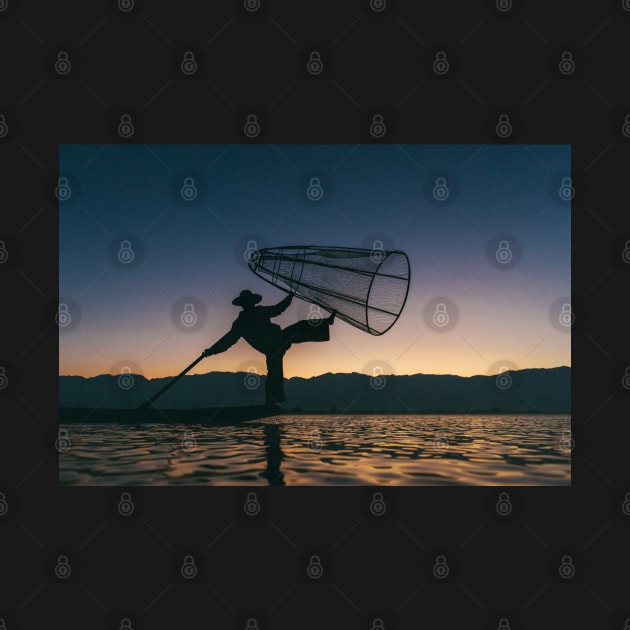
point(537, 390)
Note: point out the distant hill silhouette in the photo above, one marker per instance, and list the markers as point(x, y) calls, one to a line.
point(540, 390)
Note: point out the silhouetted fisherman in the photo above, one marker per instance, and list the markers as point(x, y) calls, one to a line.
point(254, 325)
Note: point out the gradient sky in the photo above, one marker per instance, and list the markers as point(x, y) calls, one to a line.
point(256, 193)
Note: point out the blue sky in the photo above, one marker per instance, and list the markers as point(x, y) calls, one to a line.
point(192, 251)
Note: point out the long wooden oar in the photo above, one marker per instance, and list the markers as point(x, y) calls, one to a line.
point(145, 405)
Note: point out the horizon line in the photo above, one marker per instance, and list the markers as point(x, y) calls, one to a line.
point(317, 375)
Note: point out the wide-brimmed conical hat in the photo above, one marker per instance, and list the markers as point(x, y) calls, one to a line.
point(246, 297)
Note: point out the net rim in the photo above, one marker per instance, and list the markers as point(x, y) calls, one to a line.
point(404, 301)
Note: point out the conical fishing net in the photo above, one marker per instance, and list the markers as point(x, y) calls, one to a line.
point(366, 287)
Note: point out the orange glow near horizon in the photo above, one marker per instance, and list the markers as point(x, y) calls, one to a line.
point(469, 353)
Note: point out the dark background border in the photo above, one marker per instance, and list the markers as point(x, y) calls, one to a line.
point(375, 61)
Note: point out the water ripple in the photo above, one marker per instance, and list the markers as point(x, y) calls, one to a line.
point(325, 450)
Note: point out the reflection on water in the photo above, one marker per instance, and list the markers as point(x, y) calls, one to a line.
point(325, 450)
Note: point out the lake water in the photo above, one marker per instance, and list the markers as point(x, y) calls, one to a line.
point(423, 450)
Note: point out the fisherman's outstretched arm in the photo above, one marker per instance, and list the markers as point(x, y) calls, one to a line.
point(281, 306)
point(227, 341)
